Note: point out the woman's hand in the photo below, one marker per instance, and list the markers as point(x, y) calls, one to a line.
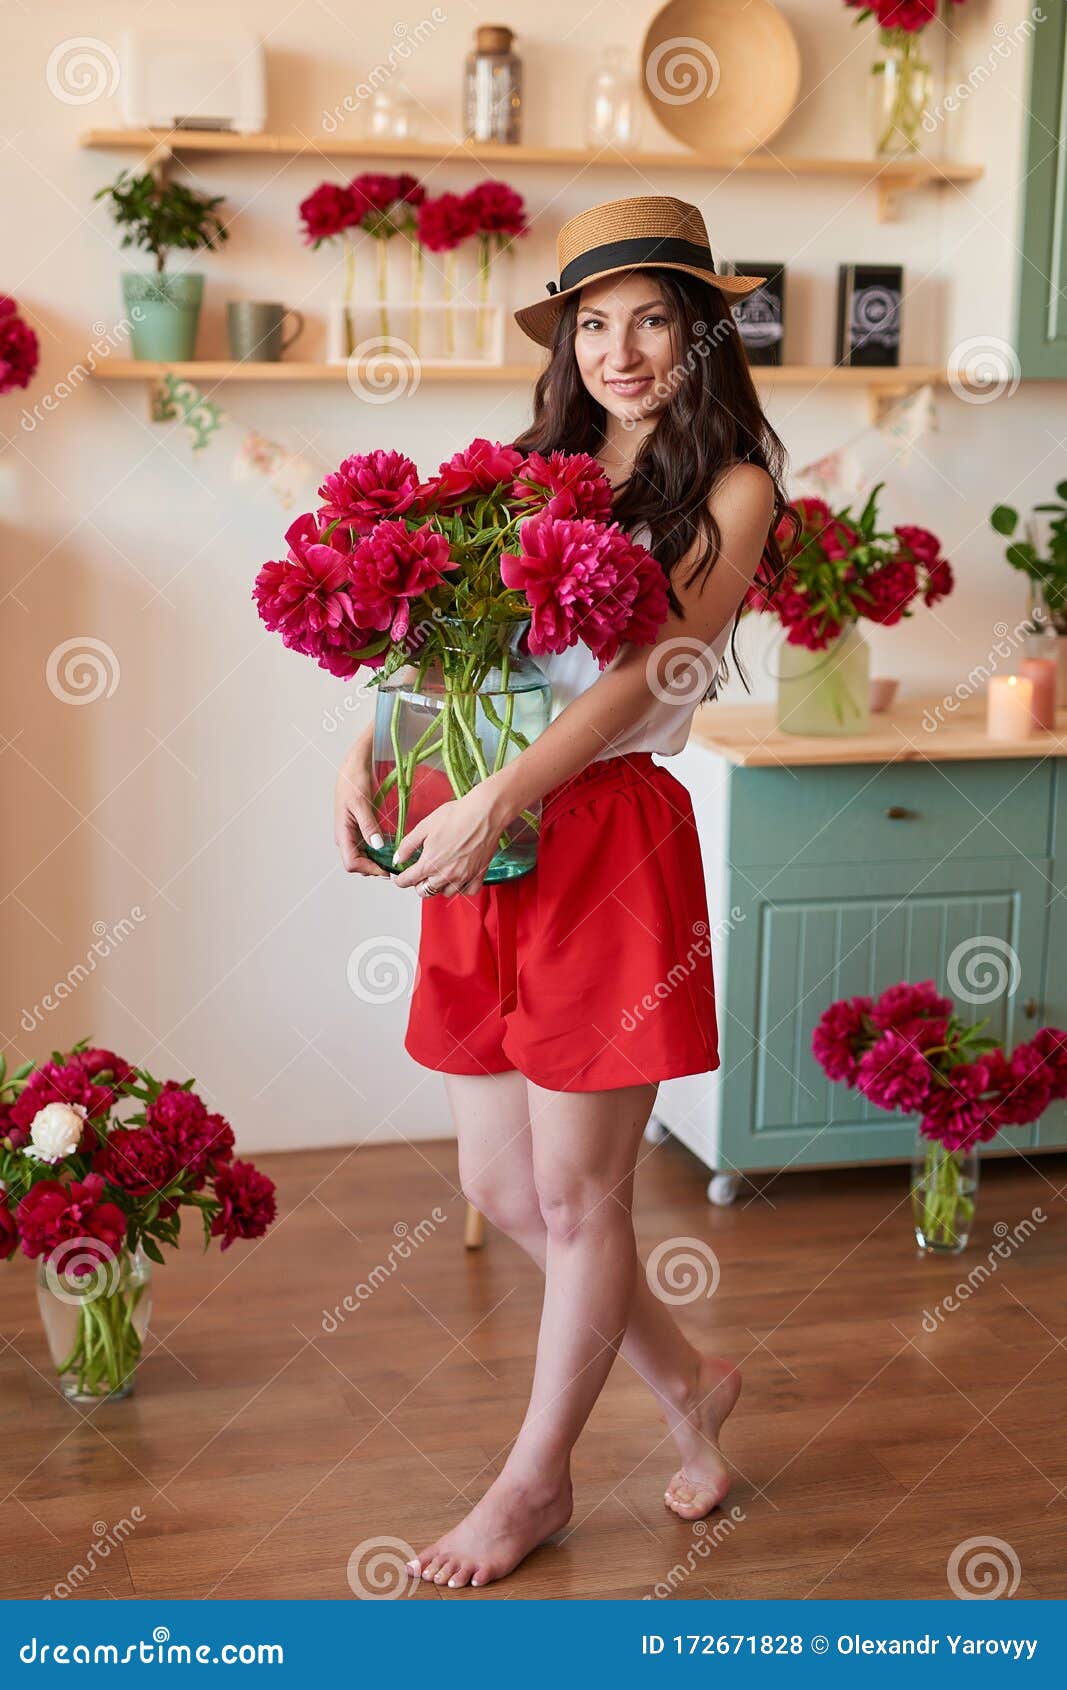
point(458, 840)
point(354, 818)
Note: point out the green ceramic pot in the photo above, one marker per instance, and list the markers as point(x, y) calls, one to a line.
point(163, 313)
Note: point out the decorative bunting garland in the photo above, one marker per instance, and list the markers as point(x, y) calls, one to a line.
point(176, 398)
point(858, 462)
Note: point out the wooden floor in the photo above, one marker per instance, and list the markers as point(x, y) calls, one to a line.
point(263, 1456)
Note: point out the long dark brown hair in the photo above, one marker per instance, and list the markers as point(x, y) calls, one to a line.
point(712, 420)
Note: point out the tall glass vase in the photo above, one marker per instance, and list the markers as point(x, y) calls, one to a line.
point(96, 1321)
point(943, 1187)
point(828, 691)
point(900, 90)
point(448, 722)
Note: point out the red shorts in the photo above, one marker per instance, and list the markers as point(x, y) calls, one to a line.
point(594, 970)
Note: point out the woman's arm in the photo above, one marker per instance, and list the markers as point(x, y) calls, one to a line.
point(742, 505)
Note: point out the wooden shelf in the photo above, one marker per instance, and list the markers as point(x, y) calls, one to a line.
point(889, 177)
point(903, 378)
point(882, 386)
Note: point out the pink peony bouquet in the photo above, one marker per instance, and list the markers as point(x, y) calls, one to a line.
point(907, 1050)
point(97, 1161)
point(19, 347)
point(452, 585)
point(842, 567)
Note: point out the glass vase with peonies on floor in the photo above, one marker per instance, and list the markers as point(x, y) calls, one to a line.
point(98, 1159)
point(446, 591)
point(907, 1050)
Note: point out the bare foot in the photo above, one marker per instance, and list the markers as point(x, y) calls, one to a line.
point(512, 1518)
point(703, 1480)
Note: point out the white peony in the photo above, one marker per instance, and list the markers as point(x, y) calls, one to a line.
point(56, 1130)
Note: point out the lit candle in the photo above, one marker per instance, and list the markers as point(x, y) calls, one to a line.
point(1042, 672)
point(1009, 710)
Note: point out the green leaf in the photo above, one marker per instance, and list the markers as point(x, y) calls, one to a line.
point(1061, 489)
point(1022, 556)
point(151, 1249)
point(1004, 519)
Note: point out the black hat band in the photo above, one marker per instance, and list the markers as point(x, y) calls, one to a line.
point(635, 249)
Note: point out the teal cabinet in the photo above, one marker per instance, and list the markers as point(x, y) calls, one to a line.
point(826, 882)
point(1041, 295)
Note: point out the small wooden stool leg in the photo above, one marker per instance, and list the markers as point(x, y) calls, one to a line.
point(474, 1230)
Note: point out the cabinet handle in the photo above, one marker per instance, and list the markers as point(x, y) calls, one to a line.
point(900, 813)
point(1030, 1008)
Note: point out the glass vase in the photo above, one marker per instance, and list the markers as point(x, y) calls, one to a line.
point(828, 691)
point(444, 724)
point(900, 90)
point(943, 1187)
point(95, 1322)
point(613, 102)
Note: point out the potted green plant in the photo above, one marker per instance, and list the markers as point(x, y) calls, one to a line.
point(1042, 557)
point(161, 217)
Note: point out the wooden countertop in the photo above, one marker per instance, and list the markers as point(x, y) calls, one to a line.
point(914, 731)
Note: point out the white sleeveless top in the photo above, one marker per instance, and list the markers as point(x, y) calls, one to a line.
point(665, 725)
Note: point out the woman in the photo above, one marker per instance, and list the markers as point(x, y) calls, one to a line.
point(529, 993)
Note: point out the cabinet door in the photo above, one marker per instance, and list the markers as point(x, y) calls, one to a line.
point(1041, 334)
point(812, 934)
point(1049, 1007)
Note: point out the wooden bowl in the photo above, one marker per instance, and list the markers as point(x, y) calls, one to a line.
point(721, 75)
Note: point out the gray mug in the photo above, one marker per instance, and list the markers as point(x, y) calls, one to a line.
point(257, 330)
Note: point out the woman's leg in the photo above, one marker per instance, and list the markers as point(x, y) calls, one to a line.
point(583, 1147)
point(696, 1390)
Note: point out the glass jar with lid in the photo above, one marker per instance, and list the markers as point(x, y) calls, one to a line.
point(492, 87)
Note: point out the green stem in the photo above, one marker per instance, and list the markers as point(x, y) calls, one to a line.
point(383, 286)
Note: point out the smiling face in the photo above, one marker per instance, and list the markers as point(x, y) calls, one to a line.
point(624, 345)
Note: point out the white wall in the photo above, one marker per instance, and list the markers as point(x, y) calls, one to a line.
point(199, 791)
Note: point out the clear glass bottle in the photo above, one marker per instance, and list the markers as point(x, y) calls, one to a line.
point(492, 87)
point(613, 103)
point(392, 115)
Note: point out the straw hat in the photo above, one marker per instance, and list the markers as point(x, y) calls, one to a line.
point(621, 235)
